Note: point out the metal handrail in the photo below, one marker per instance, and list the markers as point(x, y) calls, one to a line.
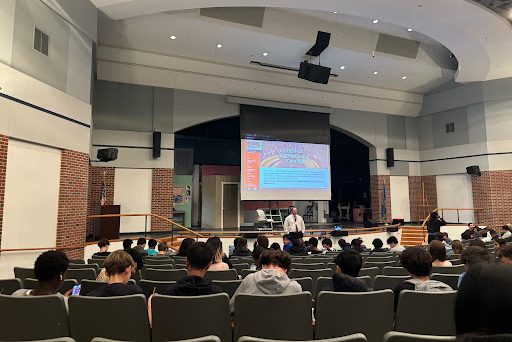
point(442, 210)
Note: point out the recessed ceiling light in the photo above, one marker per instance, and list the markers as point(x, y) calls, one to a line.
point(375, 72)
point(335, 12)
point(342, 67)
point(404, 77)
point(219, 46)
point(173, 37)
point(409, 30)
point(265, 54)
point(375, 21)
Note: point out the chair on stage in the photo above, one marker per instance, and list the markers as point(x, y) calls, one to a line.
point(263, 221)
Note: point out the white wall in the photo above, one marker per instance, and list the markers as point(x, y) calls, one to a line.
point(31, 196)
point(455, 191)
point(132, 190)
point(400, 205)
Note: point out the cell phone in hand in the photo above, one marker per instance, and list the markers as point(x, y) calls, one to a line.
point(76, 290)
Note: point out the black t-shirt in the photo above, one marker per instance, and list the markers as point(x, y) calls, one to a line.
point(102, 254)
point(192, 286)
point(115, 290)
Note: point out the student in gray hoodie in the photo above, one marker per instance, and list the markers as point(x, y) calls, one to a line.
point(272, 279)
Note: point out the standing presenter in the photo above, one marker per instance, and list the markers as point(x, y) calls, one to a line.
point(294, 225)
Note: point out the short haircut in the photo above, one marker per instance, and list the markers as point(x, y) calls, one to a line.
point(377, 243)
point(242, 242)
point(117, 262)
point(439, 236)
point(342, 243)
point(392, 239)
point(185, 244)
point(506, 251)
point(152, 243)
point(162, 246)
point(437, 250)
point(313, 241)
point(492, 232)
point(475, 255)
point(327, 242)
point(50, 264)
point(262, 241)
point(277, 258)
point(127, 243)
point(103, 243)
point(478, 243)
point(298, 242)
point(470, 223)
point(275, 246)
point(199, 255)
point(350, 262)
point(416, 261)
point(141, 241)
point(286, 236)
point(356, 242)
point(457, 246)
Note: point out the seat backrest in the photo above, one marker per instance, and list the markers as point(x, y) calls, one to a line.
point(228, 286)
point(96, 261)
point(388, 282)
point(90, 285)
point(456, 262)
point(33, 317)
point(371, 272)
point(213, 317)
point(245, 273)
point(124, 318)
point(157, 257)
point(394, 271)
point(379, 265)
point(349, 338)
point(459, 269)
point(67, 284)
point(8, 286)
point(449, 279)
point(76, 261)
point(313, 274)
point(367, 281)
point(317, 266)
point(165, 261)
point(81, 274)
point(210, 338)
point(163, 275)
point(314, 260)
point(239, 267)
point(454, 257)
point(151, 286)
point(84, 266)
point(292, 310)
point(159, 267)
point(395, 336)
point(382, 258)
point(420, 313)
point(306, 283)
point(23, 273)
point(323, 284)
point(221, 275)
point(373, 322)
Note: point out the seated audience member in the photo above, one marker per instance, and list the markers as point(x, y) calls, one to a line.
point(272, 279)
point(262, 241)
point(494, 234)
point(498, 244)
point(298, 248)
point(151, 251)
point(457, 247)
point(471, 256)
point(505, 254)
point(185, 243)
point(418, 263)
point(486, 237)
point(163, 248)
point(275, 246)
point(119, 267)
point(141, 244)
point(438, 253)
point(287, 244)
point(313, 246)
point(103, 244)
point(49, 269)
point(468, 233)
point(241, 249)
point(218, 261)
point(481, 304)
point(394, 247)
point(377, 246)
point(233, 246)
point(327, 245)
point(199, 259)
point(507, 232)
point(136, 256)
point(357, 244)
point(256, 253)
point(348, 265)
point(446, 239)
point(343, 245)
point(478, 243)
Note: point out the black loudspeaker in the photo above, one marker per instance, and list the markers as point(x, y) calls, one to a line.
point(322, 42)
point(474, 170)
point(390, 157)
point(314, 73)
point(107, 154)
point(157, 144)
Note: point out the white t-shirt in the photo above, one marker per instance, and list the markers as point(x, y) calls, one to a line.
point(294, 223)
point(506, 235)
point(397, 249)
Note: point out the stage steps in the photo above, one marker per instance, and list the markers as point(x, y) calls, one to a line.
point(412, 236)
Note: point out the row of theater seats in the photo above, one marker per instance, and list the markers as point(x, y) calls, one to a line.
point(285, 317)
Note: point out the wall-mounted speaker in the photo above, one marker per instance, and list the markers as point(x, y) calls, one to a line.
point(473, 170)
point(390, 157)
point(314, 73)
point(157, 144)
point(107, 154)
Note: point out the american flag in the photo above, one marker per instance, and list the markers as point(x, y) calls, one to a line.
point(103, 194)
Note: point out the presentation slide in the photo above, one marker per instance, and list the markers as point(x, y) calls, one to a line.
point(277, 170)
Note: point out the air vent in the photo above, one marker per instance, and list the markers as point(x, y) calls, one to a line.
point(450, 127)
point(41, 41)
point(251, 16)
point(397, 46)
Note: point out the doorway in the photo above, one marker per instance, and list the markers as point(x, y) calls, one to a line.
point(230, 214)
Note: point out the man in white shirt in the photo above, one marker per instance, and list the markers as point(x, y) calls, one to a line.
point(293, 223)
point(394, 246)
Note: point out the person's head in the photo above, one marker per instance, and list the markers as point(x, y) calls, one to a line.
point(356, 244)
point(445, 236)
point(494, 234)
point(478, 242)
point(297, 243)
point(141, 241)
point(216, 246)
point(439, 236)
point(152, 243)
point(256, 254)
point(483, 233)
point(498, 243)
point(482, 299)
point(119, 267)
point(416, 261)
point(507, 227)
point(286, 239)
point(262, 241)
point(49, 269)
point(293, 211)
point(327, 243)
point(377, 243)
point(127, 243)
point(349, 262)
point(474, 255)
point(506, 254)
point(185, 244)
point(392, 241)
point(275, 246)
point(434, 215)
point(471, 226)
point(437, 250)
point(242, 243)
point(276, 259)
point(163, 247)
point(235, 241)
point(313, 241)
point(457, 247)
point(342, 243)
point(199, 258)
point(103, 245)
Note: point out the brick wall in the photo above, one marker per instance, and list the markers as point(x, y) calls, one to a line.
point(161, 198)
point(493, 193)
point(418, 213)
point(377, 185)
point(72, 212)
point(4, 142)
point(95, 182)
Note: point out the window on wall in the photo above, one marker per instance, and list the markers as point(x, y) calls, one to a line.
point(450, 127)
point(41, 41)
